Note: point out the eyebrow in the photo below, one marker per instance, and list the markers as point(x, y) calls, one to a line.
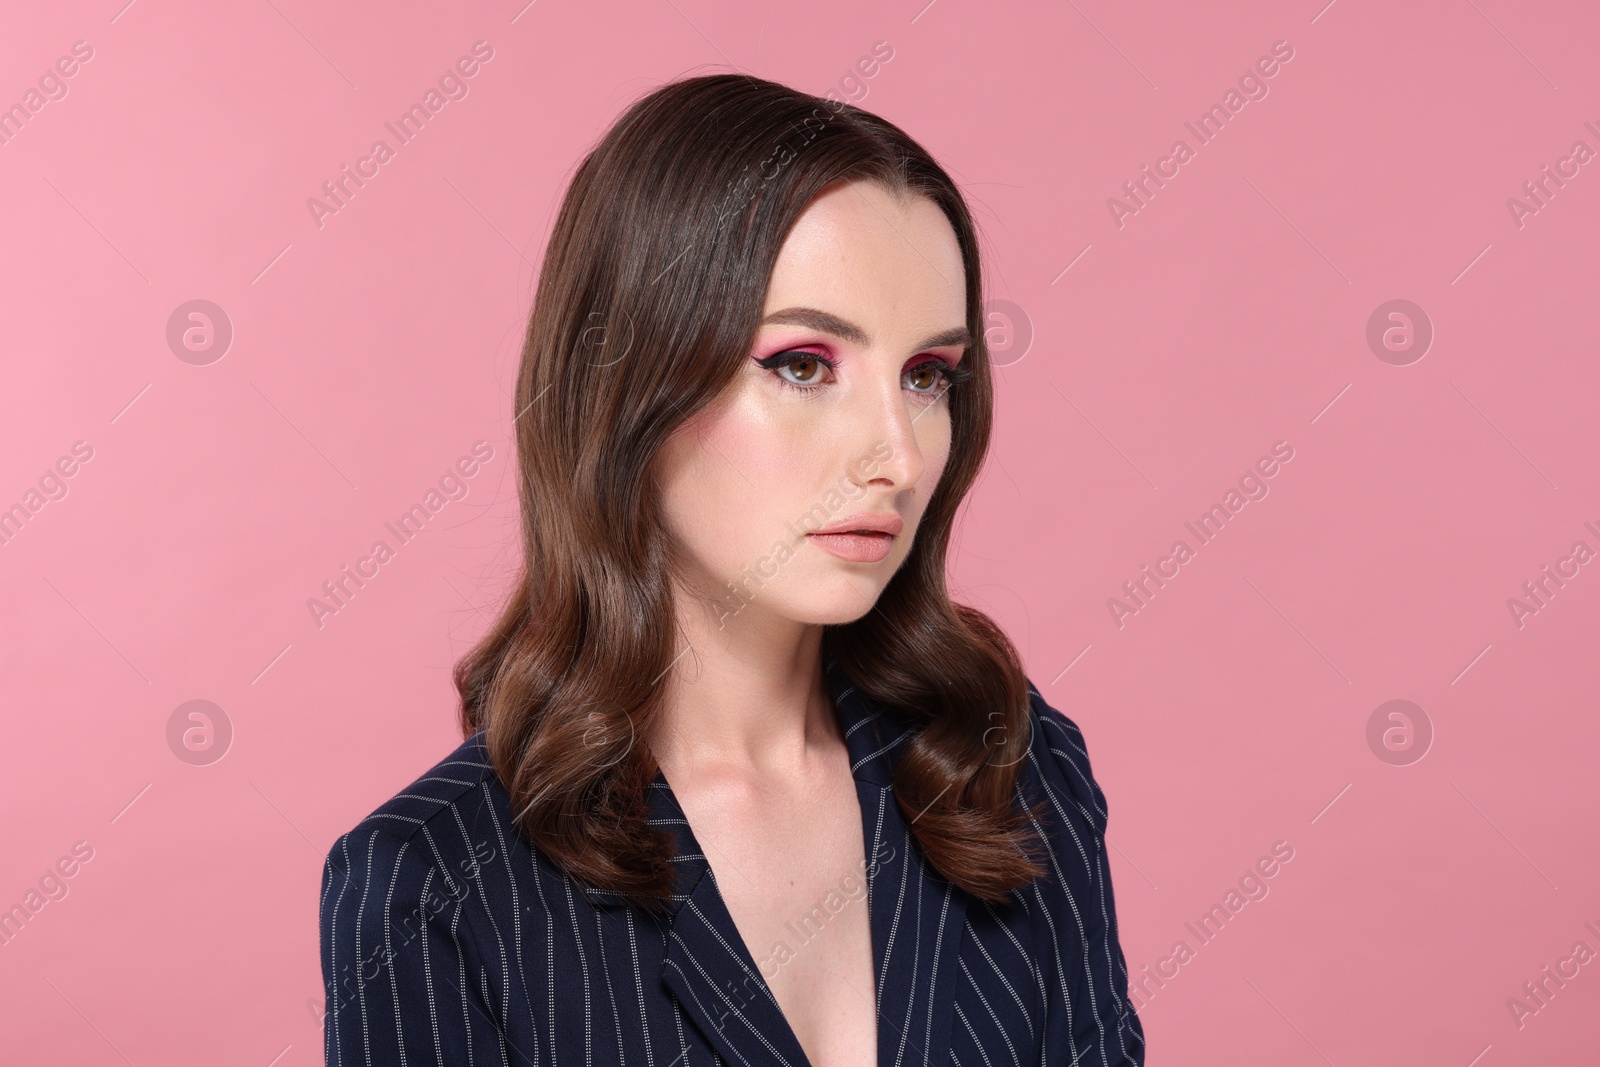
point(832, 324)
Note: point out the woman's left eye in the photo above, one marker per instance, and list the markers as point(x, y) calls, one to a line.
point(945, 376)
point(928, 376)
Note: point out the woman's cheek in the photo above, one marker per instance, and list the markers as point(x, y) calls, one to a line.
point(758, 459)
point(762, 439)
point(937, 453)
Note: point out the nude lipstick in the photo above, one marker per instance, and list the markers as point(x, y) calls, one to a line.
point(860, 538)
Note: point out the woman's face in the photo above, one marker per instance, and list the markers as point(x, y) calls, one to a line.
point(837, 418)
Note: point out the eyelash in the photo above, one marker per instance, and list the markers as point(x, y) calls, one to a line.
point(951, 376)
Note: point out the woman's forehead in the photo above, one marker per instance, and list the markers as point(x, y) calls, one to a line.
point(868, 257)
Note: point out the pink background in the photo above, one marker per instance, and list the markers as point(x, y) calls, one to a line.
point(1229, 313)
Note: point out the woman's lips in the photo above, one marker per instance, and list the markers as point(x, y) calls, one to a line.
point(856, 547)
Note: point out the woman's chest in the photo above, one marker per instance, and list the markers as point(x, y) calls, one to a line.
point(613, 985)
point(793, 879)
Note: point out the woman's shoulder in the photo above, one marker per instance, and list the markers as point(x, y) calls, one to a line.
point(409, 897)
point(1058, 762)
point(439, 818)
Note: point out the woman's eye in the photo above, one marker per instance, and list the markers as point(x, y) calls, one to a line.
point(802, 371)
point(926, 377)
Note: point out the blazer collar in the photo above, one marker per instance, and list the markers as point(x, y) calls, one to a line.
point(917, 918)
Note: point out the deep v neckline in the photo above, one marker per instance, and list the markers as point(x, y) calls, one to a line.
point(750, 1002)
point(917, 919)
point(754, 995)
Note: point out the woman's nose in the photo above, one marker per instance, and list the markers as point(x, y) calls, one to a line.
point(888, 424)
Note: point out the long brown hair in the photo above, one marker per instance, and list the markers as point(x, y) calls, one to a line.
point(660, 256)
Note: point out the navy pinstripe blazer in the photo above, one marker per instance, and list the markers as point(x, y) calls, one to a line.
point(448, 939)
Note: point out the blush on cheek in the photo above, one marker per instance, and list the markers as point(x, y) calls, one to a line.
point(735, 494)
point(769, 451)
point(935, 460)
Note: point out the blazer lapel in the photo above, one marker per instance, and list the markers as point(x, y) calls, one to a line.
point(710, 971)
point(917, 919)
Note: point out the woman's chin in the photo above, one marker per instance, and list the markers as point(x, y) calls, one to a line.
point(834, 602)
point(823, 601)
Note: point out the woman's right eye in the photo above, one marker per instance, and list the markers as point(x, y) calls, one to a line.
point(805, 371)
point(798, 369)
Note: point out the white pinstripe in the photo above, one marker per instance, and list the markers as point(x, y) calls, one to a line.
point(361, 985)
point(583, 961)
point(999, 1029)
point(427, 972)
point(388, 948)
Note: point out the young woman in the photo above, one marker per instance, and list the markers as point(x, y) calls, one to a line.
point(741, 784)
